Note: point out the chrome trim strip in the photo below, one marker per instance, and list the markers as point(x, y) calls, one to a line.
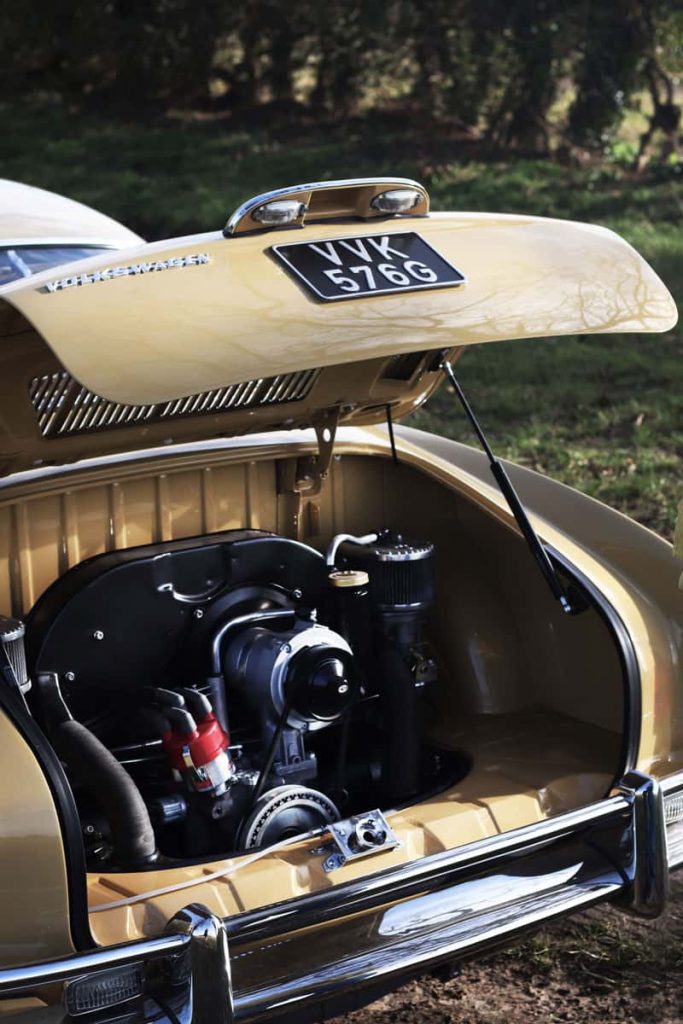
point(671, 783)
point(245, 209)
point(18, 979)
point(81, 243)
point(414, 949)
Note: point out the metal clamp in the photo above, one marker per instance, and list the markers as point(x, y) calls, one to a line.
point(356, 837)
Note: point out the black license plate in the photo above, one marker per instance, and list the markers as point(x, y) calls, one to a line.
point(359, 266)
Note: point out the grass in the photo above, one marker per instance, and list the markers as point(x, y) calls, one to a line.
point(602, 413)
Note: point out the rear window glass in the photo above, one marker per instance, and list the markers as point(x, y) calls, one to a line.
point(24, 260)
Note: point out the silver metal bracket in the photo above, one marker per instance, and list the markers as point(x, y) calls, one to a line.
point(356, 837)
point(312, 471)
point(300, 482)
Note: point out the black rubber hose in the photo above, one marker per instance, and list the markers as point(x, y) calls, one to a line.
point(219, 701)
point(216, 681)
point(401, 747)
point(113, 789)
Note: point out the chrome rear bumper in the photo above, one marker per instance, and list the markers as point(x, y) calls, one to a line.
point(304, 955)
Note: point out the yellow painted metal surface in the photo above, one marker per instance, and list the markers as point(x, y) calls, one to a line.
point(237, 315)
point(44, 533)
point(28, 213)
point(34, 923)
point(526, 767)
point(631, 566)
point(167, 333)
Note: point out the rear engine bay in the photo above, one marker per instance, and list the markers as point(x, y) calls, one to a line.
point(250, 688)
point(222, 691)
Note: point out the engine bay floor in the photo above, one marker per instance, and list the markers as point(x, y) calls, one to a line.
point(526, 766)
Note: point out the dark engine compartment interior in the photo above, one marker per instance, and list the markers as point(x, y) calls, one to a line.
point(226, 692)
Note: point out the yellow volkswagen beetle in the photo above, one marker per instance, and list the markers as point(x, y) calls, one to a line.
point(297, 702)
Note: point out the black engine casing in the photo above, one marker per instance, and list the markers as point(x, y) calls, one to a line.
point(126, 620)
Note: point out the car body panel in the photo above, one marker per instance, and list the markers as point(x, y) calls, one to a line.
point(632, 566)
point(47, 418)
point(469, 918)
point(209, 312)
point(34, 891)
point(33, 216)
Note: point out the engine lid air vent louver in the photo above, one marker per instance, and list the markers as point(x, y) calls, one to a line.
point(64, 407)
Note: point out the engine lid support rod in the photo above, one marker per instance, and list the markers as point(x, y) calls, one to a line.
point(570, 599)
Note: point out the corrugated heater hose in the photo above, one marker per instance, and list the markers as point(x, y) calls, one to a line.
point(112, 788)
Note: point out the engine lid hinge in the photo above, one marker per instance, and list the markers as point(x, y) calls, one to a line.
point(325, 426)
point(311, 470)
point(300, 482)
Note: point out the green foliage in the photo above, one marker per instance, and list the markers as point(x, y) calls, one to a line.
point(607, 70)
point(489, 67)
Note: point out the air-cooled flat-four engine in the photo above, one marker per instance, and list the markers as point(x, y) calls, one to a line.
point(226, 692)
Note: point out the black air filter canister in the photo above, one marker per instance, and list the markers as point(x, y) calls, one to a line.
point(12, 642)
point(401, 572)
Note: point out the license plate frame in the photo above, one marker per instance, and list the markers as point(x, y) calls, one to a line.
point(329, 267)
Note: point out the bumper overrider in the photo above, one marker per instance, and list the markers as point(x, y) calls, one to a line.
point(311, 956)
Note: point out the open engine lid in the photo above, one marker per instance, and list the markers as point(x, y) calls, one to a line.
point(331, 296)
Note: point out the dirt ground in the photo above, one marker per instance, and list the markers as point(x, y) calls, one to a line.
point(602, 967)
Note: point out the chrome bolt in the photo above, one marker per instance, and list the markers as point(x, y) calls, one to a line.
point(198, 613)
point(344, 688)
point(69, 676)
point(287, 648)
point(297, 594)
point(98, 635)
